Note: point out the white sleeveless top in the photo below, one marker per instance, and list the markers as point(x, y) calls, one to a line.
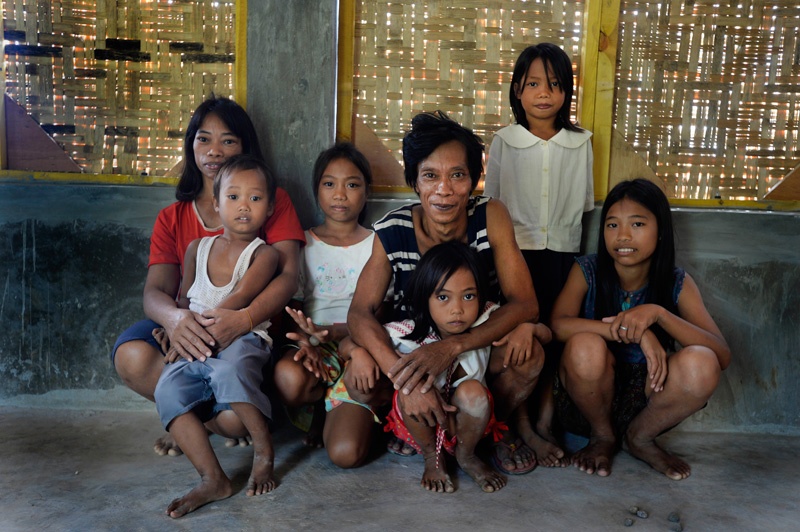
point(204, 295)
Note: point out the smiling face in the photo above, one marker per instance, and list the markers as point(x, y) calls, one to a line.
point(342, 191)
point(630, 233)
point(444, 185)
point(244, 204)
point(541, 95)
point(454, 307)
point(214, 143)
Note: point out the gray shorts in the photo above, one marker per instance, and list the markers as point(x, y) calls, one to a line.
point(234, 375)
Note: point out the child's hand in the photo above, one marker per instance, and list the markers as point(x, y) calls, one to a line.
point(656, 360)
point(306, 325)
point(518, 343)
point(363, 369)
point(629, 326)
point(311, 359)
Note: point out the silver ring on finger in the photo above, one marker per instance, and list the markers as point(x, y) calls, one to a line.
point(623, 328)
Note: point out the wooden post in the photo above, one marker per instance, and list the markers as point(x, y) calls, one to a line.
point(596, 83)
point(240, 50)
point(344, 74)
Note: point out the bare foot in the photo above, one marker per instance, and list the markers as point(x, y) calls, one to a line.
point(166, 445)
point(659, 459)
point(399, 447)
point(238, 442)
point(484, 476)
point(596, 456)
point(436, 478)
point(205, 492)
point(513, 458)
point(545, 449)
point(261, 480)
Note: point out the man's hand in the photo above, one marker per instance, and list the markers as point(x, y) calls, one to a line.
point(422, 365)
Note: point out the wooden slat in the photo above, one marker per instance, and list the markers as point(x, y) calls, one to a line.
point(153, 97)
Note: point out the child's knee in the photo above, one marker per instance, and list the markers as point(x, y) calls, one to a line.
point(292, 381)
point(471, 398)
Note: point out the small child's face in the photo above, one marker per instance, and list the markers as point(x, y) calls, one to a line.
point(630, 233)
point(455, 307)
point(342, 191)
point(243, 204)
point(541, 94)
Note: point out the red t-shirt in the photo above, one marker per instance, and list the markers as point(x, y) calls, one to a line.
point(179, 224)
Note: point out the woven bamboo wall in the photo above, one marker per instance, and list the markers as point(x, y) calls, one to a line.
point(708, 93)
point(453, 55)
point(115, 81)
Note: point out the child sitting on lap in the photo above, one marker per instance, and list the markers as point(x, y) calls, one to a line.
point(224, 271)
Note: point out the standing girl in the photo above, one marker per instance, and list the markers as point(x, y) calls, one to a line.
point(621, 314)
point(447, 296)
point(330, 265)
point(541, 168)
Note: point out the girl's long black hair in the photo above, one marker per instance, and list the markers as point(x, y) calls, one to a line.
point(348, 152)
point(432, 272)
point(236, 119)
point(661, 278)
point(556, 58)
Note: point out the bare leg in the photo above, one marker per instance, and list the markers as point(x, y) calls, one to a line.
point(296, 385)
point(474, 413)
point(139, 365)
point(511, 387)
point(260, 480)
point(214, 485)
point(587, 372)
point(314, 436)
point(541, 441)
point(693, 376)
point(348, 434)
point(434, 477)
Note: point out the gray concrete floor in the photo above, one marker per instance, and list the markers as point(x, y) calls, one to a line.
point(86, 467)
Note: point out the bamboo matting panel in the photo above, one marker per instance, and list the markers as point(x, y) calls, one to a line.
point(708, 93)
point(453, 55)
point(115, 81)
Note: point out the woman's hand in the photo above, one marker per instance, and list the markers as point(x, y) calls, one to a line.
point(629, 326)
point(188, 335)
point(225, 325)
point(656, 358)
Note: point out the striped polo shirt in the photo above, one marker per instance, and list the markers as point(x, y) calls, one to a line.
point(396, 231)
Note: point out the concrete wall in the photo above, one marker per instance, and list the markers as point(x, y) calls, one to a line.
point(291, 88)
point(74, 260)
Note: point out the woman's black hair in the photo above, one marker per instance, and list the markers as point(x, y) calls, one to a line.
point(243, 163)
point(661, 278)
point(347, 151)
point(431, 130)
point(235, 119)
point(554, 57)
point(431, 274)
